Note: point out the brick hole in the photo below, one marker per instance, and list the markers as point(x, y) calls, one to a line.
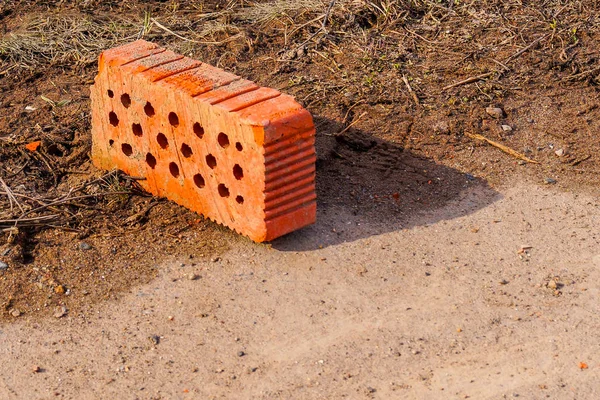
point(239, 199)
point(223, 140)
point(174, 169)
point(150, 160)
point(211, 161)
point(199, 181)
point(173, 119)
point(198, 130)
point(125, 100)
point(127, 149)
point(223, 190)
point(111, 142)
point(110, 93)
point(148, 109)
point(113, 119)
point(186, 150)
point(137, 129)
point(162, 140)
point(238, 172)
point(239, 146)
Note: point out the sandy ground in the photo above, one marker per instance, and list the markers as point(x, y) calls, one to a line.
point(453, 304)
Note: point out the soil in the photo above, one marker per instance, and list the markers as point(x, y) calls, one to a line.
point(440, 265)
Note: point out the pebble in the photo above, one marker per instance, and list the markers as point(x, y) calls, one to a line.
point(3, 266)
point(60, 311)
point(552, 284)
point(85, 246)
point(15, 312)
point(193, 277)
point(154, 339)
point(495, 112)
point(560, 152)
point(507, 128)
point(550, 181)
point(241, 354)
point(60, 289)
point(36, 368)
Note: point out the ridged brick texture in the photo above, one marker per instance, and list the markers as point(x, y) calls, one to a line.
point(240, 154)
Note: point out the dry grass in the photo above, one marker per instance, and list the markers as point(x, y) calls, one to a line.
point(65, 39)
point(282, 10)
point(21, 209)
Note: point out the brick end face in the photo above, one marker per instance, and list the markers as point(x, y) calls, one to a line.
point(239, 154)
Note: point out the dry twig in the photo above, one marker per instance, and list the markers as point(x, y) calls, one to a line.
point(412, 93)
point(502, 147)
point(469, 80)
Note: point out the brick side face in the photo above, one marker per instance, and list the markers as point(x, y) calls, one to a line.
point(220, 145)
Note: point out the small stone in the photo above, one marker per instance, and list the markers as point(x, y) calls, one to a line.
point(216, 259)
point(507, 128)
point(560, 152)
point(550, 181)
point(503, 282)
point(155, 339)
point(85, 246)
point(36, 369)
point(495, 112)
point(241, 354)
point(15, 312)
point(60, 289)
point(3, 266)
point(193, 277)
point(552, 284)
point(441, 128)
point(60, 311)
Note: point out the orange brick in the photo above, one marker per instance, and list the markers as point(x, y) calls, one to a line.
point(220, 145)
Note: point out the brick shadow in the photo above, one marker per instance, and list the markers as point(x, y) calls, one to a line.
point(367, 186)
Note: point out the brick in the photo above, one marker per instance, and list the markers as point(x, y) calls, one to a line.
point(239, 154)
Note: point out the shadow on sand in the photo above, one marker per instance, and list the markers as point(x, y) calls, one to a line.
point(367, 186)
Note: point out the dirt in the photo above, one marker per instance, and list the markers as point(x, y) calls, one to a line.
point(440, 266)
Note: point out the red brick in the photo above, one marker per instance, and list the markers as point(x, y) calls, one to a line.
point(220, 145)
